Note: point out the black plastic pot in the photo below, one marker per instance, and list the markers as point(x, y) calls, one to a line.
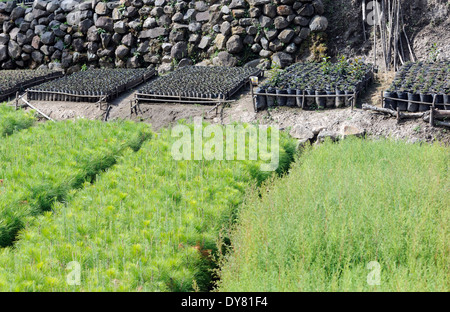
point(340, 101)
point(427, 98)
point(299, 100)
point(402, 106)
point(439, 101)
point(270, 99)
point(331, 101)
point(291, 101)
point(310, 101)
point(447, 101)
point(389, 103)
point(413, 107)
point(281, 100)
point(261, 102)
point(321, 102)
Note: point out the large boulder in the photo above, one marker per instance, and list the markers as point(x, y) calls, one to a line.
point(234, 44)
point(282, 59)
point(318, 23)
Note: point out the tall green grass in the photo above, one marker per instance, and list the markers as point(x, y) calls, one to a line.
point(341, 207)
point(40, 165)
point(150, 223)
point(12, 120)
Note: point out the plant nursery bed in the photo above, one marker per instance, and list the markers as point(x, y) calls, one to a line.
point(91, 85)
point(197, 84)
point(12, 81)
point(315, 85)
point(418, 86)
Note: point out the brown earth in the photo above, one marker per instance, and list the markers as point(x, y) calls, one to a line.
point(161, 115)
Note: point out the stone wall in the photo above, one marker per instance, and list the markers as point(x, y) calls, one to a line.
point(165, 33)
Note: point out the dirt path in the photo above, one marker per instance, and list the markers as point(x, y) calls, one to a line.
point(161, 115)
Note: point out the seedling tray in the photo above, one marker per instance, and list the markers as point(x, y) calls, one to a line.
point(315, 85)
point(197, 84)
point(418, 86)
point(13, 81)
point(91, 85)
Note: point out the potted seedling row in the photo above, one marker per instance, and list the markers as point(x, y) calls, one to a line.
point(420, 82)
point(12, 81)
point(317, 80)
point(202, 83)
point(90, 85)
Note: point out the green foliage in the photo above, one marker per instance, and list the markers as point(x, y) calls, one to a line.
point(42, 164)
point(12, 120)
point(342, 206)
point(150, 223)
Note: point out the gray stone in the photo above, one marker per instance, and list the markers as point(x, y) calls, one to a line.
point(351, 130)
point(185, 62)
point(150, 22)
point(291, 48)
point(84, 25)
point(301, 20)
point(318, 23)
point(122, 51)
point(282, 59)
point(265, 21)
point(39, 13)
point(202, 16)
point(4, 38)
point(256, 48)
point(271, 34)
point(270, 10)
point(101, 8)
point(284, 10)
point(318, 7)
point(265, 53)
point(301, 132)
point(237, 4)
point(326, 134)
point(179, 50)
point(37, 56)
point(225, 28)
point(92, 34)
point(280, 22)
point(40, 4)
point(201, 6)
point(16, 13)
point(120, 27)
point(306, 10)
point(14, 50)
point(48, 37)
point(234, 44)
point(3, 52)
point(205, 42)
point(128, 40)
point(195, 27)
point(177, 17)
point(286, 35)
point(276, 45)
point(105, 23)
point(52, 6)
point(304, 33)
point(226, 59)
point(68, 5)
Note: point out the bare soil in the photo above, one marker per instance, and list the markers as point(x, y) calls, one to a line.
point(162, 115)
